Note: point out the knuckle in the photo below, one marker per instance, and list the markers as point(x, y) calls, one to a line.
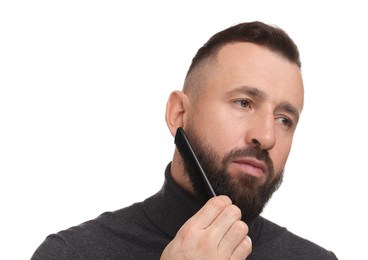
point(241, 227)
point(233, 211)
point(245, 246)
point(186, 231)
point(219, 202)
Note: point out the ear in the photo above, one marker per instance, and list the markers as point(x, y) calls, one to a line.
point(176, 109)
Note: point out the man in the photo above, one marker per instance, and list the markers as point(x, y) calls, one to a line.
point(240, 105)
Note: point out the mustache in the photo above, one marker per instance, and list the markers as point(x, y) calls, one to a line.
point(253, 152)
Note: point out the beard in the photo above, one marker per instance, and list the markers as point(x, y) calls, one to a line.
point(247, 192)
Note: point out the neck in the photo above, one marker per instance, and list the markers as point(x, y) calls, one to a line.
point(178, 173)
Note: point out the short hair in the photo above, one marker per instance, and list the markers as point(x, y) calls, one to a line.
point(270, 37)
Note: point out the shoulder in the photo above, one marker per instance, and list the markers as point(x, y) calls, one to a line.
point(53, 248)
point(280, 243)
point(112, 235)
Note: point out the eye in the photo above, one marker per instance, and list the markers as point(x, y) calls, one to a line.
point(244, 103)
point(285, 121)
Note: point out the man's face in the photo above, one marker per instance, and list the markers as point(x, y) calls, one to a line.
point(242, 123)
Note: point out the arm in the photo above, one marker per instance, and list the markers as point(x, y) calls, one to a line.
point(215, 232)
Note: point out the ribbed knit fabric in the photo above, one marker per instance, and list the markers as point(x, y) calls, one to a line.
point(142, 231)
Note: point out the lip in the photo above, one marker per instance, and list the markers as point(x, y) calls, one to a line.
point(251, 166)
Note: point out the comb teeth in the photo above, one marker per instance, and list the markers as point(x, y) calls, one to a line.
point(186, 151)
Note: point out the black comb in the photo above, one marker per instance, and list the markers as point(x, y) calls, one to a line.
point(187, 152)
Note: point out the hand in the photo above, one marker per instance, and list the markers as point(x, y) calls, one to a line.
point(215, 232)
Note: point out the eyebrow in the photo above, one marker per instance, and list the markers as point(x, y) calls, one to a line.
point(290, 109)
point(256, 92)
point(251, 91)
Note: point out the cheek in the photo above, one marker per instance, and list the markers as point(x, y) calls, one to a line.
point(280, 154)
point(217, 134)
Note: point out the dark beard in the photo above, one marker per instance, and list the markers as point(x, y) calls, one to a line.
point(245, 191)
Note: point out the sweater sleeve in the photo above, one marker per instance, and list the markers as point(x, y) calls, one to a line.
point(53, 248)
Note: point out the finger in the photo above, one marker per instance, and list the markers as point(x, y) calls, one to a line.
point(210, 211)
point(233, 238)
point(243, 250)
point(223, 223)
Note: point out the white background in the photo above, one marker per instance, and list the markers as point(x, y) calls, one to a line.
point(83, 90)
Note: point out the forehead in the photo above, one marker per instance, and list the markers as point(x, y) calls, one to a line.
point(248, 64)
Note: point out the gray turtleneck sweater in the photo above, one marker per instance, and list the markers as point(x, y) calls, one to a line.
point(142, 231)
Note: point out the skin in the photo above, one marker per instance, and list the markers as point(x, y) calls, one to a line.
point(252, 97)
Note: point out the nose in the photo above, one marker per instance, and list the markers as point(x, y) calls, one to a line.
point(261, 132)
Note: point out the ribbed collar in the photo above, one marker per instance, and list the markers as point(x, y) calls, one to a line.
point(171, 207)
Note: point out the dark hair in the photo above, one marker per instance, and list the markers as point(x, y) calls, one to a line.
point(256, 32)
